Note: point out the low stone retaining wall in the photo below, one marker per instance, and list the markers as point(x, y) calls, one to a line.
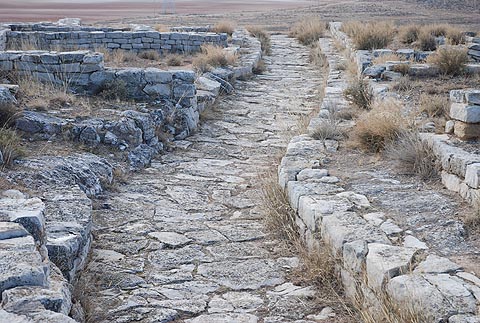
point(381, 266)
point(180, 42)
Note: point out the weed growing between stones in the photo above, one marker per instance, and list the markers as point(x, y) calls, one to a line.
point(426, 41)
point(260, 68)
point(403, 84)
point(152, 55)
point(263, 36)
point(174, 60)
point(450, 60)
point(472, 221)
point(359, 93)
point(114, 90)
point(308, 31)
point(414, 156)
point(316, 56)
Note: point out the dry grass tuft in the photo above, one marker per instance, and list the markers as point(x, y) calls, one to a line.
point(119, 56)
point(409, 34)
point(450, 60)
point(263, 36)
point(279, 215)
point(8, 113)
point(359, 93)
point(161, 28)
point(316, 56)
point(403, 84)
point(426, 41)
point(329, 129)
point(260, 68)
point(455, 36)
point(174, 60)
point(114, 90)
point(224, 26)
point(379, 127)
point(434, 105)
point(213, 56)
point(414, 156)
point(437, 30)
point(308, 31)
point(151, 55)
point(472, 221)
point(372, 35)
point(10, 146)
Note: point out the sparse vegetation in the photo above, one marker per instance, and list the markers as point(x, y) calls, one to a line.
point(403, 84)
point(152, 55)
point(161, 28)
point(329, 129)
point(433, 105)
point(382, 59)
point(409, 34)
point(450, 60)
point(359, 93)
point(436, 30)
point(414, 156)
point(114, 90)
point(174, 60)
point(316, 56)
point(401, 68)
point(224, 26)
point(372, 35)
point(263, 36)
point(472, 221)
point(10, 145)
point(213, 56)
point(260, 68)
point(8, 113)
point(455, 36)
point(308, 31)
point(426, 41)
point(379, 127)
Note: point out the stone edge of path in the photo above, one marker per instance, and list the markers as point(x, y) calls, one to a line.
point(32, 287)
point(379, 264)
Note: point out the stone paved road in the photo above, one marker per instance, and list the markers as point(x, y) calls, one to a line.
point(184, 240)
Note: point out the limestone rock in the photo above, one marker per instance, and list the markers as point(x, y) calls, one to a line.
point(40, 123)
point(436, 265)
point(385, 262)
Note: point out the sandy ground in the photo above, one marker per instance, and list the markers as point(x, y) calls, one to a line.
point(24, 10)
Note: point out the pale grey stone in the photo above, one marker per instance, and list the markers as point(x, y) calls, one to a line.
point(160, 90)
point(359, 200)
point(171, 239)
point(390, 228)
point(465, 113)
point(375, 218)
point(206, 84)
point(436, 265)
point(412, 242)
point(464, 319)
point(224, 318)
point(385, 262)
point(312, 174)
point(472, 175)
point(9, 230)
point(454, 291)
point(354, 255)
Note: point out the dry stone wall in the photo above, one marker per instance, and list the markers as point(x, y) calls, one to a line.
point(377, 260)
point(180, 42)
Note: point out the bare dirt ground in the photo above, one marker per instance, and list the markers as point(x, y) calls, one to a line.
point(274, 14)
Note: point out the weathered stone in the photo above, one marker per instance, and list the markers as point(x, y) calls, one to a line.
point(9, 230)
point(412, 242)
point(126, 130)
point(354, 255)
point(141, 156)
point(466, 131)
point(35, 122)
point(464, 319)
point(385, 262)
point(468, 96)
point(206, 84)
point(223, 318)
point(171, 239)
point(158, 90)
point(472, 175)
point(465, 113)
point(436, 265)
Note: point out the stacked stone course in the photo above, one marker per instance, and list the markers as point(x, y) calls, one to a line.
point(465, 110)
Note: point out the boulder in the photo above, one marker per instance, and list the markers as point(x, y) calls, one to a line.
point(40, 123)
point(141, 156)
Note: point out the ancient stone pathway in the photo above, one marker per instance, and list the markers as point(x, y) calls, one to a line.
point(184, 240)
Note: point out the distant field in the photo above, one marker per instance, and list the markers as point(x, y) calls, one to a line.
point(30, 10)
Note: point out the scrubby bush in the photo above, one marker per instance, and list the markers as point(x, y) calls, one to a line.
point(329, 129)
point(450, 60)
point(260, 68)
point(372, 35)
point(224, 26)
point(414, 156)
point(308, 31)
point(455, 36)
point(213, 56)
point(409, 33)
point(8, 113)
point(403, 84)
point(359, 93)
point(10, 146)
point(263, 36)
point(426, 41)
point(114, 90)
point(433, 105)
point(436, 30)
point(174, 60)
point(378, 127)
point(152, 55)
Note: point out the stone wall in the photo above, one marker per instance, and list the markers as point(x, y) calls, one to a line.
point(380, 264)
point(3, 39)
point(177, 42)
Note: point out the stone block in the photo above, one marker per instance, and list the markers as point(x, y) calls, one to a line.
point(343, 227)
point(385, 262)
point(464, 112)
point(472, 175)
point(451, 181)
point(423, 70)
point(295, 190)
point(155, 75)
point(9, 230)
point(158, 90)
point(434, 264)
point(468, 96)
point(354, 255)
point(467, 131)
